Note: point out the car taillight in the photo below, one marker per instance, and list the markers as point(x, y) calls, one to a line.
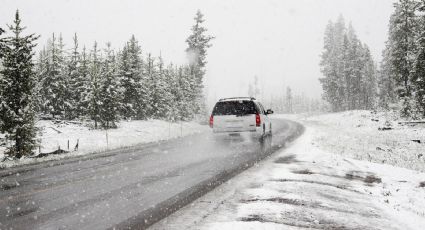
point(257, 120)
point(211, 121)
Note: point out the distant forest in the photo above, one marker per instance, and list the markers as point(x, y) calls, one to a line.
point(352, 80)
point(96, 83)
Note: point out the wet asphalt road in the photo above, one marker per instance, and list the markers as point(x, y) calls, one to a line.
point(127, 188)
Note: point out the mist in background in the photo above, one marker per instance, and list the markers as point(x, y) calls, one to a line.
point(278, 41)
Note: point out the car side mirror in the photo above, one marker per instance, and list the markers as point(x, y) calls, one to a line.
point(269, 111)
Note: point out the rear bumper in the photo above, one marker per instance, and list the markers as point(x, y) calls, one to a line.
point(255, 134)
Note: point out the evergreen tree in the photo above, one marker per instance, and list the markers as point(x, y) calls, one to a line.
point(190, 94)
point(162, 101)
point(353, 65)
point(403, 26)
point(76, 83)
point(2, 51)
point(253, 88)
point(64, 93)
point(349, 71)
point(329, 64)
point(83, 86)
point(40, 71)
point(2, 45)
point(256, 87)
point(110, 93)
point(94, 97)
point(289, 98)
point(150, 82)
point(368, 81)
point(17, 91)
point(341, 43)
point(418, 76)
point(183, 94)
point(173, 93)
point(135, 100)
point(54, 83)
point(386, 81)
point(198, 43)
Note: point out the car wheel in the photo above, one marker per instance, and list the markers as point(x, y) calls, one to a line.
point(266, 143)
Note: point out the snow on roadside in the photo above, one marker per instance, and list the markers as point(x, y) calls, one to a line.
point(127, 134)
point(357, 134)
point(307, 186)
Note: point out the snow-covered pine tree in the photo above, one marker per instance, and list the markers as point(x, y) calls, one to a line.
point(54, 84)
point(173, 90)
point(76, 83)
point(156, 81)
point(198, 43)
point(135, 101)
point(141, 99)
point(83, 86)
point(94, 98)
point(353, 67)
point(256, 87)
point(2, 45)
point(41, 69)
point(163, 100)
point(110, 92)
point(17, 91)
point(150, 82)
point(386, 81)
point(339, 62)
point(64, 93)
point(329, 68)
point(183, 95)
point(127, 110)
point(368, 82)
point(191, 93)
point(418, 76)
point(349, 72)
point(402, 49)
point(289, 100)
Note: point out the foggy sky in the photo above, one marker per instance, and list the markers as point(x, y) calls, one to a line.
point(280, 41)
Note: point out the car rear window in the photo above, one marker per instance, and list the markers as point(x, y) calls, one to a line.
point(238, 108)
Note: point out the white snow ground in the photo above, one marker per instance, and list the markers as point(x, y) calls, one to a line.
point(356, 134)
point(310, 185)
point(128, 133)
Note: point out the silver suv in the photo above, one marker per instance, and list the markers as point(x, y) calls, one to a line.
point(241, 115)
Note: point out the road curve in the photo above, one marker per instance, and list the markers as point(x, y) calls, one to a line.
point(129, 188)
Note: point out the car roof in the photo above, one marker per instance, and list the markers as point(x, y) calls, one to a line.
point(238, 99)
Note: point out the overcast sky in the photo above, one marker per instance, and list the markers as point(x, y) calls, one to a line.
point(280, 41)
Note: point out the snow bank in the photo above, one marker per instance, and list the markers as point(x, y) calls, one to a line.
point(359, 135)
point(53, 136)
